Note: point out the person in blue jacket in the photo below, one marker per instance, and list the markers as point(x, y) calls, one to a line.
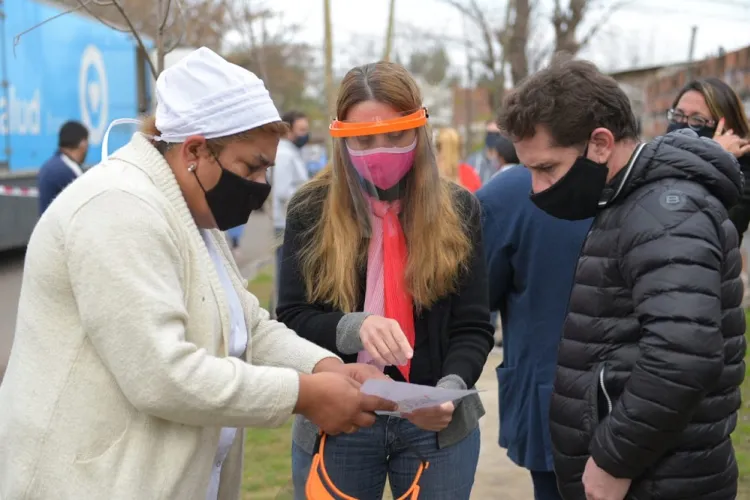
point(65, 165)
point(531, 259)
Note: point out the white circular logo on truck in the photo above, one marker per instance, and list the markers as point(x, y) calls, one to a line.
point(93, 93)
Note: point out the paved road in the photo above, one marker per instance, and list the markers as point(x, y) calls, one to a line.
point(11, 270)
point(256, 246)
point(497, 477)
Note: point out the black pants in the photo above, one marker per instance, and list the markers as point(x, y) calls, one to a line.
point(545, 486)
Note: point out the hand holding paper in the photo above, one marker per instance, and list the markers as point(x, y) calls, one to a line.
point(434, 419)
point(411, 397)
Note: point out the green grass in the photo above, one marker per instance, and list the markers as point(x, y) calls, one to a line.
point(267, 471)
point(262, 286)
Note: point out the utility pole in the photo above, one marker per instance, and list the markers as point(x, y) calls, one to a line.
point(691, 52)
point(328, 48)
point(389, 32)
point(469, 93)
point(162, 9)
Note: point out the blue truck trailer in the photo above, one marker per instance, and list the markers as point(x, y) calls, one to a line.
point(71, 68)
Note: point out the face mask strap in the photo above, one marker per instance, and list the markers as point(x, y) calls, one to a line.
point(192, 169)
point(105, 140)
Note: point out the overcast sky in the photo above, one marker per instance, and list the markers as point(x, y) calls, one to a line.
point(642, 33)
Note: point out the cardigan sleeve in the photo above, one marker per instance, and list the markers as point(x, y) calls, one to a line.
point(274, 344)
point(126, 268)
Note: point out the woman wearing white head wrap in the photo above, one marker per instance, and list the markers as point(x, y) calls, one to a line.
point(138, 352)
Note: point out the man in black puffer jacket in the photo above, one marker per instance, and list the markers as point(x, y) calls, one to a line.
point(651, 359)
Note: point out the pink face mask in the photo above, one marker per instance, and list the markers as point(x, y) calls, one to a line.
point(384, 167)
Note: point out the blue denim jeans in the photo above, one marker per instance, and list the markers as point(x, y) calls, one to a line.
point(359, 463)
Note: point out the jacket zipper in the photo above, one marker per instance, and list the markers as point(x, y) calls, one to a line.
point(604, 391)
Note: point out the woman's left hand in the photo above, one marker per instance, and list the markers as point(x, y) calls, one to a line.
point(731, 142)
point(435, 418)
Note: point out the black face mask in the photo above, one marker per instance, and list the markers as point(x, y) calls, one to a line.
point(491, 139)
point(234, 198)
point(704, 131)
point(301, 140)
point(576, 196)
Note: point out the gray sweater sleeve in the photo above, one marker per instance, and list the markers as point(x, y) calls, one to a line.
point(347, 333)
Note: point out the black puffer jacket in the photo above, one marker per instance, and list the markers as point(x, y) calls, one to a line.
point(652, 353)
point(740, 213)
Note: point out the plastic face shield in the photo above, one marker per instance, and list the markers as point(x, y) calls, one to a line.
point(383, 160)
point(320, 487)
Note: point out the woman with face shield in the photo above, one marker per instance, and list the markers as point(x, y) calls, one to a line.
point(383, 264)
point(139, 355)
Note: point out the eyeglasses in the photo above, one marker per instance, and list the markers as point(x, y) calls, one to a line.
point(320, 487)
point(693, 121)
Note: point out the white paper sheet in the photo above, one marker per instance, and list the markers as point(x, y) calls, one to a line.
point(410, 397)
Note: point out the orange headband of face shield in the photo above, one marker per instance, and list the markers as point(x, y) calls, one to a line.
point(342, 129)
point(320, 487)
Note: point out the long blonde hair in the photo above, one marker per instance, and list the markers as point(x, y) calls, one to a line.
point(335, 246)
point(449, 152)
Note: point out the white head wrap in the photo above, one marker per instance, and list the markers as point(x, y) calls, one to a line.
point(203, 94)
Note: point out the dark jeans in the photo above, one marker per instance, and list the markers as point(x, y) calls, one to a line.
point(359, 463)
point(545, 486)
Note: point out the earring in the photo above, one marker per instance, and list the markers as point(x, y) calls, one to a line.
point(191, 167)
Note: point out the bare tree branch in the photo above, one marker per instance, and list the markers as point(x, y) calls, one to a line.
point(567, 21)
point(17, 38)
point(84, 5)
point(163, 24)
point(601, 23)
point(518, 41)
point(181, 35)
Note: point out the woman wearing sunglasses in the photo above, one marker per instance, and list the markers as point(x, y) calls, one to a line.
point(383, 263)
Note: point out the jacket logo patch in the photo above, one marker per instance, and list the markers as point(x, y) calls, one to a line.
point(673, 200)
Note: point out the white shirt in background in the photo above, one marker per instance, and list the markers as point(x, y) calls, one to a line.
point(289, 173)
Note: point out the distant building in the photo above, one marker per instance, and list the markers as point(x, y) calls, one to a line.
point(634, 83)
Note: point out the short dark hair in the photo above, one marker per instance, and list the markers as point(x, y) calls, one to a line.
point(504, 147)
point(71, 135)
point(570, 98)
point(290, 117)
